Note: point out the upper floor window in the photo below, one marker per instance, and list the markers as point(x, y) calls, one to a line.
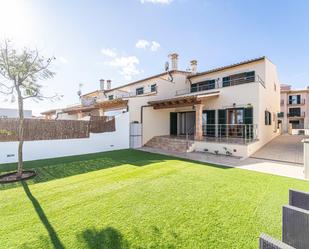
point(153, 87)
point(294, 99)
point(139, 90)
point(203, 86)
point(110, 97)
point(267, 118)
point(294, 112)
point(237, 79)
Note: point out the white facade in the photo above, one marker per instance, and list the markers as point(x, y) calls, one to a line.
point(257, 90)
point(13, 113)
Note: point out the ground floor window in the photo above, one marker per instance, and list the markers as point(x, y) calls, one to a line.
point(235, 122)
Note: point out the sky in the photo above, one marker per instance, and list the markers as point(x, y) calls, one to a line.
point(127, 40)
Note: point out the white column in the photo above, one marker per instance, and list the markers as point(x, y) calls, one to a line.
point(306, 158)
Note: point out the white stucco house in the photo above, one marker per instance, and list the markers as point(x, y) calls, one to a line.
point(228, 110)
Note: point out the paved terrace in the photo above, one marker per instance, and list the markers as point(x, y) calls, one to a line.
point(293, 170)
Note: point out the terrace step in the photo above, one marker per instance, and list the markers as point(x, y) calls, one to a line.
point(169, 143)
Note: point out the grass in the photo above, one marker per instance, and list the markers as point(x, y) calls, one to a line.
point(134, 199)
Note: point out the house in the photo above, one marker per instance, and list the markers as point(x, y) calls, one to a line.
point(228, 110)
point(294, 115)
point(13, 113)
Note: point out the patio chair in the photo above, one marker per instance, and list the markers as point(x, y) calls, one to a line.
point(299, 199)
point(267, 242)
point(295, 227)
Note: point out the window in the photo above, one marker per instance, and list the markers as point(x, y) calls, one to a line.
point(110, 97)
point(139, 90)
point(153, 88)
point(267, 118)
point(226, 81)
point(294, 112)
point(280, 114)
point(203, 86)
point(237, 79)
point(294, 99)
point(250, 76)
point(275, 87)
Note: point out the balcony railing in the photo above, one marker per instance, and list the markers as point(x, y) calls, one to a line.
point(93, 100)
point(227, 133)
point(220, 84)
point(302, 102)
point(297, 115)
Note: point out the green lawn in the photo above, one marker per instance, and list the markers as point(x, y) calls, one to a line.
point(133, 199)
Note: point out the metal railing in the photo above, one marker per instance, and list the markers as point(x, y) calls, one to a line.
point(226, 133)
point(220, 84)
point(301, 102)
point(297, 115)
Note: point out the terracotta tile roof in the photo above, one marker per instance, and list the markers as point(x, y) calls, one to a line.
point(228, 67)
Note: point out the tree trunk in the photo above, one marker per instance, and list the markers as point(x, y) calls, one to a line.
point(20, 133)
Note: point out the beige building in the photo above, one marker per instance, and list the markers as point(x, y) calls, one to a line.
point(228, 110)
point(294, 115)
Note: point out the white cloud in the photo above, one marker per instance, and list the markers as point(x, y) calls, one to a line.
point(109, 52)
point(155, 46)
point(126, 65)
point(142, 44)
point(63, 60)
point(157, 1)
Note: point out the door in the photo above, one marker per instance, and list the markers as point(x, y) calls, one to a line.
point(186, 123)
point(209, 121)
point(173, 123)
point(235, 121)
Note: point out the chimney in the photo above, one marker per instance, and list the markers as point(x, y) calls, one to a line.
point(193, 66)
point(108, 84)
point(174, 61)
point(102, 84)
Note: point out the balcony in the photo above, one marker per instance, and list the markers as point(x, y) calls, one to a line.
point(296, 115)
point(301, 102)
point(217, 84)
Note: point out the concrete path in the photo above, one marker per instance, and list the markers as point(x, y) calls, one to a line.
point(284, 148)
point(260, 165)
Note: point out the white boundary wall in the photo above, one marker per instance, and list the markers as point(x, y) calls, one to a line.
point(42, 149)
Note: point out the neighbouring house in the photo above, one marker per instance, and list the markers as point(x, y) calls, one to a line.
point(229, 110)
point(13, 113)
point(294, 115)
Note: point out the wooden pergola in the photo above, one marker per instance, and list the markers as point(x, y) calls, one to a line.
point(197, 100)
point(183, 101)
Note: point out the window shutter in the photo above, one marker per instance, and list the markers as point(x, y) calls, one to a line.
point(222, 122)
point(298, 99)
point(248, 115)
point(290, 99)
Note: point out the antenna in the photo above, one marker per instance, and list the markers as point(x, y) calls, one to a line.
point(79, 92)
point(167, 66)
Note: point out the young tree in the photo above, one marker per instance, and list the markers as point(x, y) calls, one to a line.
point(20, 71)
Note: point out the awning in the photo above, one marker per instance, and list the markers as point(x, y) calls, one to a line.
point(183, 101)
